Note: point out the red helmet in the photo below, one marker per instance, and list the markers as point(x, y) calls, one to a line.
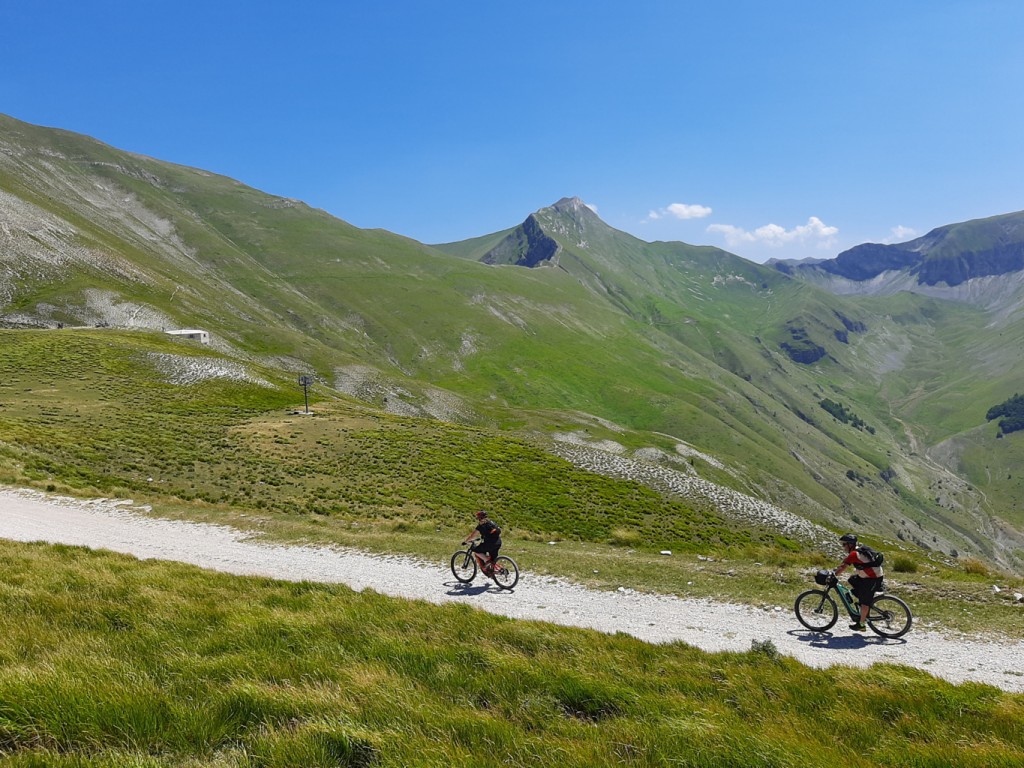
point(480, 515)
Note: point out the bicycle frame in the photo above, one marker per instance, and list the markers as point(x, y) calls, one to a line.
point(846, 597)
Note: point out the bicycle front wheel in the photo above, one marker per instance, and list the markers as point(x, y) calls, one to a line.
point(506, 572)
point(463, 566)
point(816, 610)
point(889, 617)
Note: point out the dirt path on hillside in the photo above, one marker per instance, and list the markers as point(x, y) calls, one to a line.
point(31, 516)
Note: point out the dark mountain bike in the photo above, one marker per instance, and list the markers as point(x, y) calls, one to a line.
point(504, 570)
point(816, 609)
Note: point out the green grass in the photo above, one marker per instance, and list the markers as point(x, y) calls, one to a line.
point(108, 661)
point(83, 413)
point(79, 412)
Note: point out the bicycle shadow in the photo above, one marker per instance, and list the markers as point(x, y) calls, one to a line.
point(832, 642)
point(458, 589)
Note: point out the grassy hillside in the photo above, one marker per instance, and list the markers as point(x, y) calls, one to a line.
point(108, 661)
point(662, 344)
point(104, 412)
point(196, 435)
point(994, 464)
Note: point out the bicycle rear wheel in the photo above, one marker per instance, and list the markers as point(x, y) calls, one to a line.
point(889, 617)
point(816, 610)
point(463, 566)
point(506, 572)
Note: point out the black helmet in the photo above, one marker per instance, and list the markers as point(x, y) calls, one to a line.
point(480, 515)
point(848, 538)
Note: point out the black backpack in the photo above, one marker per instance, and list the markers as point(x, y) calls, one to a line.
point(876, 558)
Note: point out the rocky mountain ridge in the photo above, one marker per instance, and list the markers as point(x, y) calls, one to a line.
point(956, 261)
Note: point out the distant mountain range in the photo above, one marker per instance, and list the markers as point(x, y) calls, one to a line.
point(563, 327)
point(971, 261)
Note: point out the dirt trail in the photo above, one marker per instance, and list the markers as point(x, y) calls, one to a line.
point(712, 626)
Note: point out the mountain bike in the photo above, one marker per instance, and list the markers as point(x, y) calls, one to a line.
point(816, 609)
point(504, 570)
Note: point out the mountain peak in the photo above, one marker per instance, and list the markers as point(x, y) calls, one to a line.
point(570, 203)
point(571, 217)
point(574, 207)
point(535, 241)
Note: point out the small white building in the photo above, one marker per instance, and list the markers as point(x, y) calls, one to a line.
point(203, 337)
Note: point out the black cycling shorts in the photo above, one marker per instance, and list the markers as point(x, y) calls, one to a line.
point(864, 588)
point(488, 548)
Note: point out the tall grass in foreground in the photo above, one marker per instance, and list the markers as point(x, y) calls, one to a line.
point(107, 661)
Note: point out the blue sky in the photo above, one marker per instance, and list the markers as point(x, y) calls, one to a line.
point(786, 129)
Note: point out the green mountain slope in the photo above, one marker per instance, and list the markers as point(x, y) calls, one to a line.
point(962, 351)
point(658, 350)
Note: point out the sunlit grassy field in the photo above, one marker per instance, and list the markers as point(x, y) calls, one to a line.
point(108, 661)
point(85, 413)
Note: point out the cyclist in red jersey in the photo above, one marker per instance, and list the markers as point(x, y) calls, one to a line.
point(868, 579)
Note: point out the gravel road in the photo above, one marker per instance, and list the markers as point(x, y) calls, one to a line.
point(102, 524)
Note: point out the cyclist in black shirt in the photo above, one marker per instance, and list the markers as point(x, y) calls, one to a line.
point(487, 550)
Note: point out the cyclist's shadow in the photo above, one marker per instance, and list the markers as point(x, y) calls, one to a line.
point(458, 589)
point(842, 642)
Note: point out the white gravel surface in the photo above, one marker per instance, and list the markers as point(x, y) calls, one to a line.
point(31, 516)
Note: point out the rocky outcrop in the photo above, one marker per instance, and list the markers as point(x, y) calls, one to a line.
point(864, 262)
point(527, 246)
point(733, 504)
point(970, 264)
point(867, 261)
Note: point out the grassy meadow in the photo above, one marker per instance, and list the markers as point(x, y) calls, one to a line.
point(109, 661)
point(86, 413)
point(80, 413)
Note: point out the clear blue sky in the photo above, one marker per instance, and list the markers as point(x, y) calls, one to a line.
point(784, 129)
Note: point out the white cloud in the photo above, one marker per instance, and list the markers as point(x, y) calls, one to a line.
point(684, 211)
point(814, 231)
point(733, 235)
point(680, 211)
point(901, 234)
point(591, 207)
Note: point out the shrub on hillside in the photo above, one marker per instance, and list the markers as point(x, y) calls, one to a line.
point(625, 537)
point(904, 564)
point(1013, 412)
point(974, 566)
point(766, 648)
